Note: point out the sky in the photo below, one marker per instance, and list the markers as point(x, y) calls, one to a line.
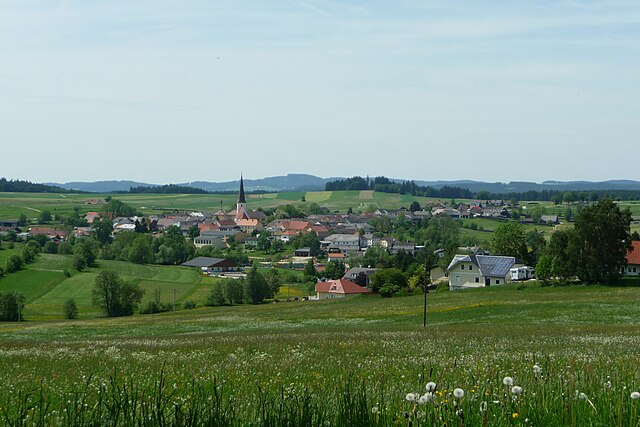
point(177, 91)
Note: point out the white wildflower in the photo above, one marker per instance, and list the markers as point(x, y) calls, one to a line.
point(458, 393)
point(516, 389)
point(483, 407)
point(635, 395)
point(374, 410)
point(537, 369)
point(425, 398)
point(411, 397)
point(507, 381)
point(431, 387)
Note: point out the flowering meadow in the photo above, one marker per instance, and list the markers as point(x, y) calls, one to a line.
point(517, 355)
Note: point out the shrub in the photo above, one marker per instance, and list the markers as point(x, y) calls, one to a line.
point(188, 305)
point(70, 309)
point(78, 263)
point(116, 296)
point(50, 248)
point(152, 307)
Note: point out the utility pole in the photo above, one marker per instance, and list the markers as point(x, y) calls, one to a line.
point(424, 288)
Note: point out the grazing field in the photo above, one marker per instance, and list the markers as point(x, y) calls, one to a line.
point(570, 355)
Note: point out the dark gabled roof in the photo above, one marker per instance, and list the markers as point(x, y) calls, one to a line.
point(203, 261)
point(495, 266)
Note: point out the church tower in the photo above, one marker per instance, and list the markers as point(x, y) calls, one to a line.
point(241, 213)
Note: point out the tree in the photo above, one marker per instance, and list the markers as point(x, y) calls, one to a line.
point(216, 296)
point(264, 241)
point(11, 306)
point(140, 251)
point(102, 230)
point(28, 255)
point(307, 240)
point(70, 309)
point(273, 282)
point(562, 255)
point(44, 217)
point(544, 268)
point(50, 248)
point(114, 295)
point(84, 251)
point(310, 269)
point(13, 263)
point(603, 240)
point(509, 240)
point(194, 232)
point(536, 243)
point(22, 220)
point(334, 269)
point(256, 286)
point(415, 206)
point(233, 292)
point(390, 277)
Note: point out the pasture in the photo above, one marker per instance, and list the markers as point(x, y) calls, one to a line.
point(349, 362)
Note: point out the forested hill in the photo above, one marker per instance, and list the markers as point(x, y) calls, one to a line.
point(168, 189)
point(18, 186)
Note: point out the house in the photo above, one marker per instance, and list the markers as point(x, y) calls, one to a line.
point(451, 213)
point(407, 247)
point(52, 233)
point(360, 275)
point(345, 242)
point(341, 288)
point(213, 265)
point(498, 212)
point(208, 240)
point(633, 260)
point(549, 219)
point(476, 271)
point(92, 216)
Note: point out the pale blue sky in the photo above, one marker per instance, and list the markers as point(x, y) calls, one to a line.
point(176, 91)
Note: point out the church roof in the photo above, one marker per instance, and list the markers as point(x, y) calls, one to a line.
point(241, 198)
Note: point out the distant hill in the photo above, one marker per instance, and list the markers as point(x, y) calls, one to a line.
point(304, 182)
point(19, 186)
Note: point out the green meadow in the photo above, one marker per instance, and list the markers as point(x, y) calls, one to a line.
point(340, 362)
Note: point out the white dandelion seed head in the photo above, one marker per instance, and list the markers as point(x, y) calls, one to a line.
point(507, 381)
point(374, 410)
point(635, 395)
point(431, 386)
point(458, 393)
point(537, 369)
point(607, 384)
point(483, 407)
point(425, 398)
point(516, 389)
point(411, 397)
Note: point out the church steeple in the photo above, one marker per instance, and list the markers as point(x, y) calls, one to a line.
point(241, 213)
point(241, 196)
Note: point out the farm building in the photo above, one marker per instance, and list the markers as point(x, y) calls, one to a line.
point(341, 288)
point(213, 265)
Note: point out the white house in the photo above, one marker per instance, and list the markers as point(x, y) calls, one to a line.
point(477, 271)
point(633, 260)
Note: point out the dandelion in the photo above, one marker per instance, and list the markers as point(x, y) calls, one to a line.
point(458, 393)
point(411, 397)
point(425, 398)
point(516, 389)
point(431, 386)
point(537, 369)
point(515, 415)
point(507, 381)
point(483, 407)
point(374, 410)
point(635, 395)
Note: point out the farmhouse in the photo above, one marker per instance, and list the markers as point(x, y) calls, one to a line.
point(633, 260)
point(208, 240)
point(476, 271)
point(341, 288)
point(360, 275)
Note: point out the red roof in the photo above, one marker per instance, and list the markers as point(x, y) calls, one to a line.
point(633, 256)
point(341, 286)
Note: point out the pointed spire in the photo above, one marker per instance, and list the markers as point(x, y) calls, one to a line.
point(241, 196)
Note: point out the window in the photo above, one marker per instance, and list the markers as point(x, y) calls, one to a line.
point(477, 280)
point(461, 266)
point(634, 269)
point(470, 267)
point(497, 281)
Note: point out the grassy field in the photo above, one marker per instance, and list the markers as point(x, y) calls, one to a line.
point(31, 204)
point(350, 362)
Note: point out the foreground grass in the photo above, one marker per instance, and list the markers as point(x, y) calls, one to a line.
point(338, 362)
